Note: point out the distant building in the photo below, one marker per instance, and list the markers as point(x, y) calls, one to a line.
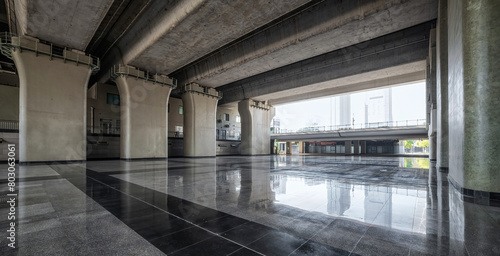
point(341, 110)
point(378, 106)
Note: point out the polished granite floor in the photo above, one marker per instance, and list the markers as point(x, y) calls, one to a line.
point(262, 205)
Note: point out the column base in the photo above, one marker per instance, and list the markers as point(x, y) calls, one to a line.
point(26, 163)
point(476, 196)
point(144, 159)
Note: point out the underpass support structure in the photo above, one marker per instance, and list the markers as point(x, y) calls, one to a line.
point(256, 120)
point(144, 116)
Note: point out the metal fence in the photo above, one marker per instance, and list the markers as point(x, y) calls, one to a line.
point(9, 125)
point(389, 124)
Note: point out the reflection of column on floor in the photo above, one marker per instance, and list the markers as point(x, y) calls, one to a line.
point(255, 191)
point(53, 98)
point(200, 105)
point(200, 181)
point(256, 119)
point(143, 118)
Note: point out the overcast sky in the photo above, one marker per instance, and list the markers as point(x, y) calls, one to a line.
point(408, 103)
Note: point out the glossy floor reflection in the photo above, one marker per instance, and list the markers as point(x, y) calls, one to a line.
point(262, 205)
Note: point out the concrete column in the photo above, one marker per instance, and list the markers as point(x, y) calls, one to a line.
point(52, 103)
point(348, 147)
point(200, 107)
point(363, 147)
point(442, 87)
point(473, 89)
point(144, 117)
point(256, 120)
point(356, 147)
point(431, 95)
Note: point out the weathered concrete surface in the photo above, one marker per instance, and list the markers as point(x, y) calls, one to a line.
point(62, 22)
point(9, 103)
point(169, 35)
point(199, 124)
point(322, 28)
point(143, 132)
point(401, 53)
point(442, 86)
point(255, 123)
point(53, 100)
point(474, 86)
point(431, 95)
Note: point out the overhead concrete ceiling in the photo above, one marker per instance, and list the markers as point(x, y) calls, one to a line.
point(216, 42)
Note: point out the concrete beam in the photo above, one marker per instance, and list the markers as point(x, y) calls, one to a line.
point(64, 23)
point(318, 29)
point(171, 34)
point(405, 48)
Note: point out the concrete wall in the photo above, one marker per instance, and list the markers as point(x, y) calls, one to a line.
point(232, 128)
point(143, 118)
point(9, 103)
point(199, 124)
point(53, 100)
point(97, 98)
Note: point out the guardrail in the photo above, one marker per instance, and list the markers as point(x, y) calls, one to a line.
point(10, 42)
point(9, 125)
point(391, 124)
point(103, 130)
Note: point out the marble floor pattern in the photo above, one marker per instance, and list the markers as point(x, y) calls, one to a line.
point(235, 205)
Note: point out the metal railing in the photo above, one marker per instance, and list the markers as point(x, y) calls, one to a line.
point(9, 125)
point(376, 125)
point(126, 70)
point(10, 42)
point(175, 134)
point(103, 130)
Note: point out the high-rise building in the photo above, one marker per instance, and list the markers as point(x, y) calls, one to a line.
point(378, 106)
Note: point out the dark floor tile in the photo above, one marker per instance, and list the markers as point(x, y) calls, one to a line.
point(181, 239)
point(371, 246)
point(223, 224)
point(277, 243)
point(209, 247)
point(342, 233)
point(314, 248)
point(247, 233)
point(244, 252)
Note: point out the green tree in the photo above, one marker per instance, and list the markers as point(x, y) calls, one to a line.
point(409, 144)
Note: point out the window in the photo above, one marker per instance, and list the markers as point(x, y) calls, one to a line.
point(181, 110)
point(113, 99)
point(226, 117)
point(238, 119)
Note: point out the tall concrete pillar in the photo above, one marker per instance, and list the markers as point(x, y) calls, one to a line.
point(431, 95)
point(200, 106)
point(363, 147)
point(442, 86)
point(144, 120)
point(473, 89)
point(348, 150)
point(256, 120)
point(356, 147)
point(53, 101)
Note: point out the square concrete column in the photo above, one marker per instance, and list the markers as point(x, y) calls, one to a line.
point(356, 147)
point(431, 95)
point(256, 120)
point(144, 120)
point(348, 150)
point(363, 147)
point(200, 106)
point(52, 102)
